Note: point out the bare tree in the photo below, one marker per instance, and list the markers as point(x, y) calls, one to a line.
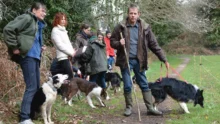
point(194, 15)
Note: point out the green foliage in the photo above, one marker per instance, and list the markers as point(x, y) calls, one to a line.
point(213, 37)
point(212, 40)
point(166, 31)
point(11, 9)
point(77, 11)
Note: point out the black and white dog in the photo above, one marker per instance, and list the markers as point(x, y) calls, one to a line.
point(113, 80)
point(180, 91)
point(46, 96)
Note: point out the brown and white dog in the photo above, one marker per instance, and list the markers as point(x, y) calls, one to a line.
point(46, 96)
point(89, 88)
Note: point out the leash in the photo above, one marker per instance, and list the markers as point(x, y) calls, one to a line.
point(161, 66)
point(178, 74)
point(126, 56)
point(168, 72)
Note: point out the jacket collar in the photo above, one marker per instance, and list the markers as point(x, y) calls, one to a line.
point(95, 41)
point(84, 34)
point(143, 24)
point(62, 28)
point(35, 18)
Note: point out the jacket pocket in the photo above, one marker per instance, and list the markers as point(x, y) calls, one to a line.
point(25, 43)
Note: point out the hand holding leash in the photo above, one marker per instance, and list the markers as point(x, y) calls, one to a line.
point(167, 65)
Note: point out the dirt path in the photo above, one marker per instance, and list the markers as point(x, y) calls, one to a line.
point(165, 107)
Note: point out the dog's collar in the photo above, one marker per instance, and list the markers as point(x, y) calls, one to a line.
point(52, 87)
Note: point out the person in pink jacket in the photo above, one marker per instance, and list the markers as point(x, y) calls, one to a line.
point(109, 50)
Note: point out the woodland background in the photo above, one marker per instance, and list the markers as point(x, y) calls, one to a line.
point(181, 27)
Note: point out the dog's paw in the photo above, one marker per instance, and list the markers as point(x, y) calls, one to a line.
point(51, 122)
point(187, 112)
point(70, 104)
point(93, 107)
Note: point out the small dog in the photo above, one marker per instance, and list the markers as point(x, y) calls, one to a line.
point(178, 90)
point(46, 96)
point(89, 88)
point(114, 80)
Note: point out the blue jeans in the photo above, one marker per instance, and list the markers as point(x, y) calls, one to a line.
point(99, 78)
point(140, 77)
point(111, 61)
point(31, 72)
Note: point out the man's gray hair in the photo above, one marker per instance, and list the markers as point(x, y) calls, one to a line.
point(132, 5)
point(37, 5)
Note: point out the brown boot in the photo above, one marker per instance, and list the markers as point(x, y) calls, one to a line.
point(128, 102)
point(147, 96)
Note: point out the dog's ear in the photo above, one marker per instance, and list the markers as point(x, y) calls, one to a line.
point(201, 91)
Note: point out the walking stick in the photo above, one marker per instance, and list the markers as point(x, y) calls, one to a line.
point(126, 55)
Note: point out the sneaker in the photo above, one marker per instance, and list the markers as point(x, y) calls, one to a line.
point(29, 121)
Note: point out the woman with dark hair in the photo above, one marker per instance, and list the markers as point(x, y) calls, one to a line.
point(82, 39)
point(95, 55)
point(83, 36)
point(23, 37)
point(61, 41)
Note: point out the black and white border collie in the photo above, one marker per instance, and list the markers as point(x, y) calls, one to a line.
point(180, 91)
point(89, 88)
point(113, 80)
point(46, 96)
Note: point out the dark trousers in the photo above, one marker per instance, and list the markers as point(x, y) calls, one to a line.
point(99, 78)
point(66, 68)
point(31, 72)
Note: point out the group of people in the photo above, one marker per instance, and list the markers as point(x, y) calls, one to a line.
point(92, 59)
point(23, 37)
